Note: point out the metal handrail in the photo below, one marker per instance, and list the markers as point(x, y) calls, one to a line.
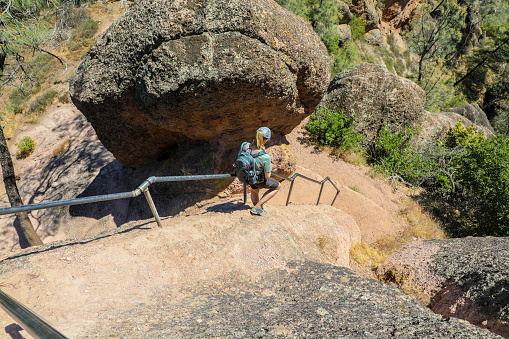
point(38, 327)
point(30, 321)
point(144, 188)
point(292, 180)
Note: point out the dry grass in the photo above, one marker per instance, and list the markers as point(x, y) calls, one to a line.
point(349, 156)
point(366, 255)
point(61, 149)
point(418, 225)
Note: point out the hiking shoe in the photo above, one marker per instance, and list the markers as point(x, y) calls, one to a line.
point(258, 211)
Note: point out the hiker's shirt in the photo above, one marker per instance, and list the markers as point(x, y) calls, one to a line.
point(262, 164)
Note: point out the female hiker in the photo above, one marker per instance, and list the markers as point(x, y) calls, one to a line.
point(262, 162)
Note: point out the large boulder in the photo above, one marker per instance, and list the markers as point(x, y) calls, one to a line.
point(377, 98)
point(474, 113)
point(199, 72)
point(436, 125)
point(465, 278)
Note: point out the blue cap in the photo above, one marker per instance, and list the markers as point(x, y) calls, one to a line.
point(266, 132)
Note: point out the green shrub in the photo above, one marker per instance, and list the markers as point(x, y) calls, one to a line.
point(484, 176)
point(331, 39)
point(41, 67)
point(393, 155)
point(88, 28)
point(329, 128)
point(345, 57)
point(391, 40)
point(460, 135)
point(82, 34)
point(25, 147)
point(358, 28)
point(17, 100)
point(400, 66)
point(43, 101)
point(389, 63)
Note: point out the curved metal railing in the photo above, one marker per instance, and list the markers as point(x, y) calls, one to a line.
point(144, 188)
point(321, 183)
point(36, 325)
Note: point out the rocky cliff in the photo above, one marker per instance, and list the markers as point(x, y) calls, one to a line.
point(463, 278)
point(169, 74)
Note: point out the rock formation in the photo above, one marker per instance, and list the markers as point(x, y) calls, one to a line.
point(377, 98)
point(436, 125)
point(365, 9)
point(199, 72)
point(224, 274)
point(464, 278)
point(397, 13)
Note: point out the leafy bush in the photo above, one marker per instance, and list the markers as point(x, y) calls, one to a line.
point(346, 57)
point(400, 66)
point(332, 129)
point(43, 101)
point(17, 99)
point(484, 176)
point(82, 34)
point(358, 28)
point(25, 147)
point(467, 176)
point(394, 154)
point(460, 135)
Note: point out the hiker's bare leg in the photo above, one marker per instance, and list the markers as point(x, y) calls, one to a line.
point(255, 196)
point(267, 196)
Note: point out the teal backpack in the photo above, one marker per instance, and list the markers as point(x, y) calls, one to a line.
point(245, 167)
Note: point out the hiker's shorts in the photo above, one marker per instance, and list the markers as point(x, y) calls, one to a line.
point(270, 183)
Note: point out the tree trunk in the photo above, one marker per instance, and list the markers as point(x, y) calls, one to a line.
point(12, 192)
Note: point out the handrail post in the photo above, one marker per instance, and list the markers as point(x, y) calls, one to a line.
point(245, 192)
point(152, 206)
point(334, 200)
point(290, 192)
point(321, 189)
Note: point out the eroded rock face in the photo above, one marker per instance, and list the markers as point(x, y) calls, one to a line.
point(377, 98)
point(475, 114)
point(398, 12)
point(436, 125)
point(366, 10)
point(218, 272)
point(177, 73)
point(464, 278)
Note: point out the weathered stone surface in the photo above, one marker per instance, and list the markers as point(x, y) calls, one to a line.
point(115, 271)
point(374, 37)
point(344, 12)
point(176, 73)
point(344, 33)
point(377, 98)
point(474, 113)
point(466, 278)
point(436, 125)
point(398, 12)
point(224, 274)
point(365, 9)
point(304, 299)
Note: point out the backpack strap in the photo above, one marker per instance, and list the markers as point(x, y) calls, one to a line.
point(262, 152)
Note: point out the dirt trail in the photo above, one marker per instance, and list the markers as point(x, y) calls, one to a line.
point(374, 205)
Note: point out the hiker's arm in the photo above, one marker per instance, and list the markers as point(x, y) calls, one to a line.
point(267, 169)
